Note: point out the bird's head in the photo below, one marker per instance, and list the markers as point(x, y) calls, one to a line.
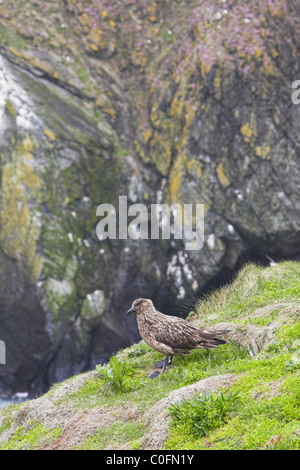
point(140, 305)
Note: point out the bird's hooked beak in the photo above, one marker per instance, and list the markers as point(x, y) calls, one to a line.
point(130, 310)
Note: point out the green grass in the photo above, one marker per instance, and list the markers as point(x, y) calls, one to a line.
point(259, 415)
point(114, 436)
point(254, 287)
point(207, 411)
point(31, 438)
point(82, 74)
point(98, 391)
point(9, 37)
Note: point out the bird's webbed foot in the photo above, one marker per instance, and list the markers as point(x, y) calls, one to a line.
point(167, 362)
point(154, 374)
point(161, 365)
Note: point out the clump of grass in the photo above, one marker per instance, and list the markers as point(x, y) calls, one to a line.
point(115, 435)
point(31, 437)
point(253, 287)
point(82, 74)
point(268, 392)
point(206, 412)
point(119, 374)
point(200, 364)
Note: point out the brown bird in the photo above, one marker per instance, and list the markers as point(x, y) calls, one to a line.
point(171, 335)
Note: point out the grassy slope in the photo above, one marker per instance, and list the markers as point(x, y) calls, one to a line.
point(268, 413)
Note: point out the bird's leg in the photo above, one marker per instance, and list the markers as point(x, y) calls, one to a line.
point(160, 364)
point(165, 365)
point(165, 362)
point(168, 362)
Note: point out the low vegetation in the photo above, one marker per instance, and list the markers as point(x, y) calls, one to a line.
point(206, 412)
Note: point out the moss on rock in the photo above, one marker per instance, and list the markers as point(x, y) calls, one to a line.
point(20, 220)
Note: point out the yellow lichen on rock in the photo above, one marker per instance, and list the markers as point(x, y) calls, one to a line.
point(246, 130)
point(85, 20)
point(28, 146)
point(194, 168)
point(249, 129)
point(177, 105)
point(218, 84)
point(175, 178)
point(15, 51)
point(160, 152)
point(147, 135)
point(95, 36)
point(222, 173)
point(138, 57)
point(18, 219)
point(50, 134)
point(263, 151)
point(9, 107)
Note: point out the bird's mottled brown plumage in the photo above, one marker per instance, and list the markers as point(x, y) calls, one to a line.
point(171, 335)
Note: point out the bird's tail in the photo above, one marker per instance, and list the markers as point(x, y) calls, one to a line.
point(219, 333)
point(211, 341)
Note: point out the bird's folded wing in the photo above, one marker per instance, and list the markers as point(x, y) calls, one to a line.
point(179, 334)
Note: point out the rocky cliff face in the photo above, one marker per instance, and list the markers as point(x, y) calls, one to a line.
point(180, 103)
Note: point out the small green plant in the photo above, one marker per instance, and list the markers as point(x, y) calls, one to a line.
point(118, 374)
point(203, 414)
point(31, 437)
